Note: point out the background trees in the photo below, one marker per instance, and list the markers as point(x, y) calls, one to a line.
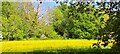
point(11, 22)
point(20, 20)
point(84, 20)
point(112, 27)
point(79, 20)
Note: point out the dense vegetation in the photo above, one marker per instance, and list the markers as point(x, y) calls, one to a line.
point(21, 21)
point(79, 21)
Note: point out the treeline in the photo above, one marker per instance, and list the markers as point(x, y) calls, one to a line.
point(88, 20)
point(21, 21)
point(68, 21)
point(84, 20)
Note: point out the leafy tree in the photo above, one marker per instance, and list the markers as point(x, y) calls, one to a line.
point(48, 29)
point(112, 28)
point(78, 20)
point(20, 21)
point(11, 22)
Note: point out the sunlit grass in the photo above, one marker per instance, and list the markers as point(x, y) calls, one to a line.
point(31, 45)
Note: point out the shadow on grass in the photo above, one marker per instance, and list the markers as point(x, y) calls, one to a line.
point(69, 51)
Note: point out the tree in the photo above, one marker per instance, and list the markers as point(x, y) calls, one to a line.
point(47, 28)
point(10, 21)
point(78, 20)
point(111, 27)
point(20, 21)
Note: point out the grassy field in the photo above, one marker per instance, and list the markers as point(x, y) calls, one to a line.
point(32, 45)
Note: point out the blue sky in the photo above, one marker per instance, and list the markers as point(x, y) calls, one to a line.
point(46, 5)
point(51, 4)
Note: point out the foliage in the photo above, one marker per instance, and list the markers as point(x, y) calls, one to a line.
point(21, 21)
point(47, 28)
point(111, 29)
point(78, 20)
point(11, 22)
point(69, 21)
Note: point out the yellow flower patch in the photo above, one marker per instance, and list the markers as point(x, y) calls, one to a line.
point(31, 45)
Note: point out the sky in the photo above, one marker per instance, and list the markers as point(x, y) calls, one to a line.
point(52, 4)
point(46, 5)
